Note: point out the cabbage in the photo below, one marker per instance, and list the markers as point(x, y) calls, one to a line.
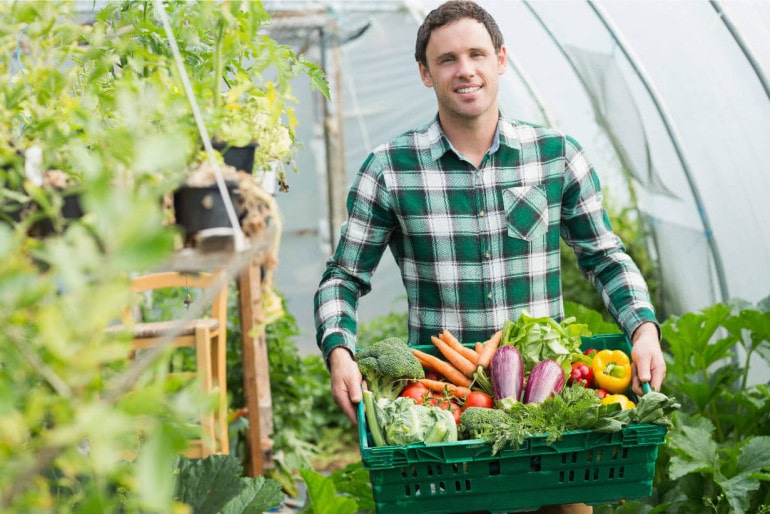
point(405, 422)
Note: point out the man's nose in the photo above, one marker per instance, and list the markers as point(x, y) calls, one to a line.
point(465, 67)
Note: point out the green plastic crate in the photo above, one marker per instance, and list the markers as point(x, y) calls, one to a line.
point(464, 476)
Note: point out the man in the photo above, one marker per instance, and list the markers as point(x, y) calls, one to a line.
point(472, 206)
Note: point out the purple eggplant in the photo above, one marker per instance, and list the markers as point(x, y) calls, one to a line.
point(545, 380)
point(507, 370)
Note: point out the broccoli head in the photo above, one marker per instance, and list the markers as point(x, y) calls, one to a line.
point(386, 365)
point(483, 423)
point(495, 426)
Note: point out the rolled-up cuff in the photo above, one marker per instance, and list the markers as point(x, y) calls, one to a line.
point(638, 319)
point(336, 340)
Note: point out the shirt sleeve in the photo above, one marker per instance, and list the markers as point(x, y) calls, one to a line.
point(601, 255)
point(363, 240)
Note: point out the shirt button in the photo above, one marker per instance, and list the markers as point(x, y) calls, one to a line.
point(488, 255)
point(489, 296)
point(478, 175)
point(481, 213)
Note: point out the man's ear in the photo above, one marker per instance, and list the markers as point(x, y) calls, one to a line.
point(501, 59)
point(425, 75)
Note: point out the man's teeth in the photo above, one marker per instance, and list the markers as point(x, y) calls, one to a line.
point(463, 90)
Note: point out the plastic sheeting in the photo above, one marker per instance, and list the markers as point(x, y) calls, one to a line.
point(660, 93)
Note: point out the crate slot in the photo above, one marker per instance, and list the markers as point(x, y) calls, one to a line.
point(494, 467)
point(569, 457)
point(591, 476)
point(459, 485)
point(535, 464)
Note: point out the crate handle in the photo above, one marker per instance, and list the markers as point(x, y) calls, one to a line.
point(361, 425)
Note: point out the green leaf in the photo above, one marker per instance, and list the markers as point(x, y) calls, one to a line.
point(755, 455)
point(697, 392)
point(323, 495)
point(354, 480)
point(757, 325)
point(737, 489)
point(258, 495)
point(695, 452)
point(689, 336)
point(590, 317)
point(153, 469)
point(208, 484)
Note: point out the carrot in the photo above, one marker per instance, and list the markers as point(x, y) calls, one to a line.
point(456, 359)
point(489, 348)
point(479, 349)
point(441, 367)
point(452, 341)
point(440, 387)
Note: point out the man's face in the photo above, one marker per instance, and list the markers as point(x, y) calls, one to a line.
point(464, 70)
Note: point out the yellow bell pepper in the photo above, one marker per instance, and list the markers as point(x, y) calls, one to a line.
point(621, 399)
point(612, 370)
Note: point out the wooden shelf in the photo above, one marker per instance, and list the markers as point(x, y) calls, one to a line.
point(248, 267)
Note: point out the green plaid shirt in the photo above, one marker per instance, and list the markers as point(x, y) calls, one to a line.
point(476, 246)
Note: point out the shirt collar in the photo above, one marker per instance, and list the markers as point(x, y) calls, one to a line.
point(505, 135)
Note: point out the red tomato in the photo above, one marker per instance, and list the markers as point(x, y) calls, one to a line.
point(582, 373)
point(456, 412)
point(479, 399)
point(433, 375)
point(446, 404)
point(416, 391)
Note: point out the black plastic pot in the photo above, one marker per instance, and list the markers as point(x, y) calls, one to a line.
point(200, 208)
point(239, 157)
point(13, 211)
point(71, 209)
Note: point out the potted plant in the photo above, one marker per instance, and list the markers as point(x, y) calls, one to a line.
point(227, 61)
point(39, 121)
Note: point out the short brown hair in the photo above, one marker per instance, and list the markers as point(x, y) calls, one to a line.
point(449, 12)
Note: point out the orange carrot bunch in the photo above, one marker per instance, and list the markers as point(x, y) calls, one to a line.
point(461, 365)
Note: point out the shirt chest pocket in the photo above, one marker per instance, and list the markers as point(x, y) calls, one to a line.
point(526, 212)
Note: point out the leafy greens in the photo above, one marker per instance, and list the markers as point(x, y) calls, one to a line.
point(543, 338)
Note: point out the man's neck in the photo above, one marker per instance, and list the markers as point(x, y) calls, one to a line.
point(472, 138)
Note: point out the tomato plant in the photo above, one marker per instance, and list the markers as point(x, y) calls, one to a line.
point(443, 402)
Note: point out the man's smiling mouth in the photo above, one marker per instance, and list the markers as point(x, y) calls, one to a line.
point(464, 90)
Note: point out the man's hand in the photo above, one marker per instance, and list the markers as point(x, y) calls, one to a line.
point(649, 365)
point(346, 381)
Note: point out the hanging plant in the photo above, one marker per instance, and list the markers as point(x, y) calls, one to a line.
point(227, 58)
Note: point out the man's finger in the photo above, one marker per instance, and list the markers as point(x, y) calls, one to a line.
point(643, 370)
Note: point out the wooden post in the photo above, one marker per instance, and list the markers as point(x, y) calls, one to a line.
point(256, 377)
